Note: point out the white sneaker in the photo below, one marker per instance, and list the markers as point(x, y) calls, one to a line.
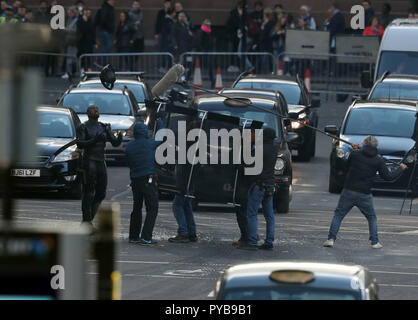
point(377, 246)
point(329, 243)
point(65, 76)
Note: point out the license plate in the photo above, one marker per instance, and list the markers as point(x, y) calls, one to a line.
point(26, 173)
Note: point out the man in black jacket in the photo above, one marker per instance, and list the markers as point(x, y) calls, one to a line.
point(261, 192)
point(105, 21)
point(92, 136)
point(336, 24)
point(363, 165)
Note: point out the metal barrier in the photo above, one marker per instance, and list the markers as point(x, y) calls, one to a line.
point(231, 64)
point(154, 64)
point(52, 64)
point(329, 73)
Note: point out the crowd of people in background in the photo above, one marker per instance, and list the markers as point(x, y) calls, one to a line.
point(263, 28)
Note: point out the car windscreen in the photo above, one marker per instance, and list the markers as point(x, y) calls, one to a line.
point(137, 90)
point(398, 62)
point(380, 122)
point(291, 92)
point(289, 293)
point(55, 125)
point(393, 91)
point(250, 113)
point(108, 103)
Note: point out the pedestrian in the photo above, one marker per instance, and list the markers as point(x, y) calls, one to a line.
point(105, 21)
point(178, 6)
point(265, 41)
point(92, 136)
point(375, 28)
point(70, 41)
point(279, 38)
point(386, 18)
point(279, 12)
point(182, 35)
point(258, 13)
point(124, 39)
point(368, 12)
point(306, 21)
point(165, 40)
point(16, 5)
point(136, 18)
point(160, 22)
point(29, 15)
point(42, 15)
point(183, 203)
point(141, 160)
point(235, 26)
point(86, 34)
point(8, 16)
point(336, 24)
point(21, 14)
point(362, 167)
point(3, 5)
point(261, 193)
point(205, 43)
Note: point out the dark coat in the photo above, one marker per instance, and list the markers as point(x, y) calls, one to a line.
point(204, 41)
point(183, 38)
point(124, 34)
point(336, 24)
point(160, 21)
point(86, 34)
point(166, 38)
point(105, 18)
point(362, 167)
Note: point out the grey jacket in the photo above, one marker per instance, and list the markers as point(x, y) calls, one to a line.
point(135, 16)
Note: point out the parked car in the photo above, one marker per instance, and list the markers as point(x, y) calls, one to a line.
point(53, 169)
point(395, 87)
point(287, 280)
point(298, 100)
point(393, 125)
point(117, 107)
point(216, 183)
point(134, 81)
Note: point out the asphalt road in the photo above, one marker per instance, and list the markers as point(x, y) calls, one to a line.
point(190, 271)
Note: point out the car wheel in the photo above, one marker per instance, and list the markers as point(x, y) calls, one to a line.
point(281, 201)
point(334, 186)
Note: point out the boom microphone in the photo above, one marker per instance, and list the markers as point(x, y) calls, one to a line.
point(170, 78)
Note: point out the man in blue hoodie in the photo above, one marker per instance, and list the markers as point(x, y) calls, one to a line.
point(141, 160)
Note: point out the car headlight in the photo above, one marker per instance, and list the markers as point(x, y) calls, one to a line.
point(125, 133)
point(410, 158)
point(342, 154)
point(279, 166)
point(67, 155)
point(298, 124)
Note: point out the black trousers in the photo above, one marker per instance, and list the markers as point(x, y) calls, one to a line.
point(142, 190)
point(94, 188)
point(241, 212)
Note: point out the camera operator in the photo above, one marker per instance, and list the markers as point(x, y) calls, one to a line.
point(92, 136)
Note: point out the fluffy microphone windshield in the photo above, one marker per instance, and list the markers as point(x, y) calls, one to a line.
point(170, 78)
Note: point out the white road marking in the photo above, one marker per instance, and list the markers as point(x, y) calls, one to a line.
point(398, 285)
point(211, 294)
point(127, 191)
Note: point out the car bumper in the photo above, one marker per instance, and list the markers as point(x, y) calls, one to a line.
point(298, 142)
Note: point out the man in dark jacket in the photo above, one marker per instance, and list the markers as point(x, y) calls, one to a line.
point(105, 21)
point(86, 34)
point(182, 35)
point(261, 192)
point(363, 165)
point(92, 136)
point(141, 160)
point(136, 18)
point(336, 23)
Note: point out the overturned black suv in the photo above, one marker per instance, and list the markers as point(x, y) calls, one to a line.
point(217, 183)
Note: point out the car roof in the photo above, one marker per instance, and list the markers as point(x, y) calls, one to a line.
point(400, 77)
point(53, 109)
point(337, 276)
point(213, 98)
point(96, 90)
point(379, 103)
point(271, 77)
point(98, 81)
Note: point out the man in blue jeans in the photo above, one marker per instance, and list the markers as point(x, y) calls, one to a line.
point(261, 193)
point(362, 167)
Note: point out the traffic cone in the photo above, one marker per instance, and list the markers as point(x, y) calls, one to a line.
point(280, 69)
point(197, 77)
point(219, 85)
point(308, 81)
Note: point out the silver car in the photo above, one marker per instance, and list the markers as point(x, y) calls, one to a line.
point(117, 107)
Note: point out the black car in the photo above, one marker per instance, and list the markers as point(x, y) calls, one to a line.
point(134, 81)
point(117, 107)
point(395, 87)
point(53, 170)
point(217, 182)
point(392, 123)
point(298, 100)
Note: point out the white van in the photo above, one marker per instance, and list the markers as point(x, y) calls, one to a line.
point(398, 52)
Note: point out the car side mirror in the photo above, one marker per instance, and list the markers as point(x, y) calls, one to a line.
point(365, 79)
point(293, 115)
point(316, 103)
point(331, 129)
point(291, 137)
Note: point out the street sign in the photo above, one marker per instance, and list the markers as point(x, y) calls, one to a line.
point(365, 47)
point(307, 42)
